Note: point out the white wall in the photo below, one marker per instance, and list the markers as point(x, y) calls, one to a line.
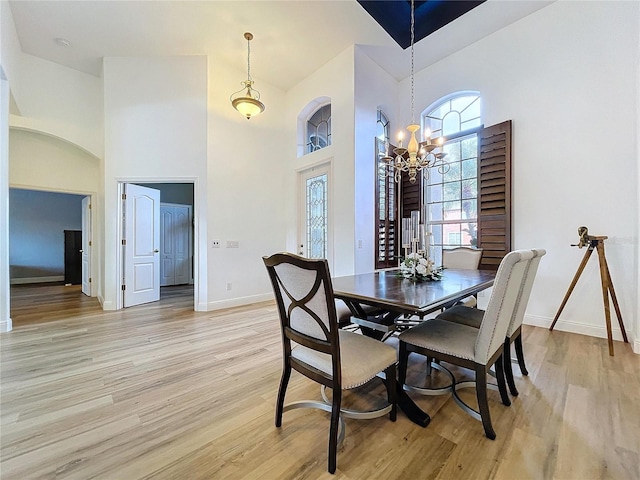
point(335, 80)
point(155, 117)
point(5, 319)
point(246, 178)
point(375, 89)
point(41, 162)
point(59, 101)
point(567, 77)
point(9, 51)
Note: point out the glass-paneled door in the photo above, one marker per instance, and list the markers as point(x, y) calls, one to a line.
point(313, 237)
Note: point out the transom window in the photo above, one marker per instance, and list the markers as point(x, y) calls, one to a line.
point(451, 199)
point(319, 129)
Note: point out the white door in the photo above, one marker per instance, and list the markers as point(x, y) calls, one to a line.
point(313, 238)
point(167, 270)
point(175, 244)
point(86, 246)
point(182, 244)
point(141, 245)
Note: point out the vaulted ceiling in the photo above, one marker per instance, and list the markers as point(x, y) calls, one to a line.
point(292, 39)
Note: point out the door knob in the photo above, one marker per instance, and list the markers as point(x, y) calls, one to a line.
point(156, 251)
point(81, 251)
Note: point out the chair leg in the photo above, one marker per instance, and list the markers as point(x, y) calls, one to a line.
point(517, 342)
point(403, 360)
point(483, 404)
point(390, 382)
point(284, 381)
point(333, 430)
point(508, 370)
point(502, 386)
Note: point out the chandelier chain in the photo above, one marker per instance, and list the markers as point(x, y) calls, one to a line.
point(417, 156)
point(248, 59)
point(413, 21)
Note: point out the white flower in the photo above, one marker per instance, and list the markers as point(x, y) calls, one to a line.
point(421, 269)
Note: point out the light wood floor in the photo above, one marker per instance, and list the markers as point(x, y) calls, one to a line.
point(160, 391)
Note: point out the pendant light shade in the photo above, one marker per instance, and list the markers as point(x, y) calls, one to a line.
point(247, 99)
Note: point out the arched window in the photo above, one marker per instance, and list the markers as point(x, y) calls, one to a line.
point(451, 199)
point(319, 129)
point(453, 114)
point(382, 127)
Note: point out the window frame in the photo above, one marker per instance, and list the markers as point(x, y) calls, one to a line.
point(425, 204)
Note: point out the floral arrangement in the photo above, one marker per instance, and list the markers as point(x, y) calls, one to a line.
point(415, 267)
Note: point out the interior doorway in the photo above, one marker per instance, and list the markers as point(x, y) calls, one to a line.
point(38, 222)
point(175, 256)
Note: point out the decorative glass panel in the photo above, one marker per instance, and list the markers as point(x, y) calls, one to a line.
point(319, 129)
point(317, 216)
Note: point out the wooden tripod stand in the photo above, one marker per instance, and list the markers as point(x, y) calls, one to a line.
point(597, 243)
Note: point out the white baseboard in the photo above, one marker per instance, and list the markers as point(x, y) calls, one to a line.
point(21, 281)
point(6, 325)
point(106, 305)
point(582, 328)
point(238, 302)
point(201, 307)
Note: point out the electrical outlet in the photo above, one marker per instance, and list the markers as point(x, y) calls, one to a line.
point(359, 243)
point(215, 243)
point(229, 287)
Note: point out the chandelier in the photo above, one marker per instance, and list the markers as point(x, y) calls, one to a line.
point(247, 99)
point(417, 155)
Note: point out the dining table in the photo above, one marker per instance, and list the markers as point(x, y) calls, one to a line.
point(398, 300)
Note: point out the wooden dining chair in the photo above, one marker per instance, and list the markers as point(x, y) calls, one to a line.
point(473, 348)
point(316, 347)
point(473, 317)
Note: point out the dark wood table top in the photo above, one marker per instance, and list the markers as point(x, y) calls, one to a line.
point(386, 290)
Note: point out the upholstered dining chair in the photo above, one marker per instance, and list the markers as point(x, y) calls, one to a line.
point(314, 345)
point(473, 317)
point(473, 348)
point(464, 258)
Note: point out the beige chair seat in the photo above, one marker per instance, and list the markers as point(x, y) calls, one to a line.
point(463, 315)
point(361, 358)
point(444, 337)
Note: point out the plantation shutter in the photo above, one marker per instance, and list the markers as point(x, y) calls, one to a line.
point(411, 195)
point(386, 213)
point(494, 194)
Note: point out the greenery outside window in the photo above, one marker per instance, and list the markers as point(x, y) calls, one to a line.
point(451, 200)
